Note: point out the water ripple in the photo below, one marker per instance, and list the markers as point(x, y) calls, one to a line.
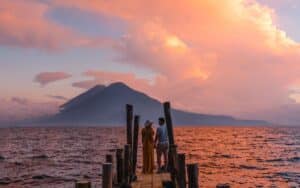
point(239, 156)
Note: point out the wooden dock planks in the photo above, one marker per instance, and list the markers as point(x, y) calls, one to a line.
point(151, 180)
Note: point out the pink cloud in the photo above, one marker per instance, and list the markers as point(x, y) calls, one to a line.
point(106, 78)
point(209, 56)
point(58, 97)
point(87, 84)
point(25, 24)
point(18, 100)
point(212, 56)
point(15, 109)
point(45, 78)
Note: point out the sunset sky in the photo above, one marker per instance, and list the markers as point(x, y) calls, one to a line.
point(233, 57)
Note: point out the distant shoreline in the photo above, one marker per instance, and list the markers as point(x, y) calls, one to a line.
point(123, 126)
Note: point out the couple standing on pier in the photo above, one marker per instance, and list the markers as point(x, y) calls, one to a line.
point(159, 142)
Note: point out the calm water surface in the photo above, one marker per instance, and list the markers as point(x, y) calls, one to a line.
point(242, 157)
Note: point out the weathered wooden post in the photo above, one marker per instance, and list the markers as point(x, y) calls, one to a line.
point(172, 165)
point(129, 117)
point(83, 185)
point(128, 161)
point(120, 165)
point(109, 158)
point(107, 175)
point(127, 167)
point(172, 155)
point(135, 143)
point(167, 112)
point(181, 170)
point(193, 175)
point(168, 184)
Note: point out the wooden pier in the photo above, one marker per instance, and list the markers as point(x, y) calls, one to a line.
point(151, 180)
point(119, 171)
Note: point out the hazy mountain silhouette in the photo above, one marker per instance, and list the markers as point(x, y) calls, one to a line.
point(106, 106)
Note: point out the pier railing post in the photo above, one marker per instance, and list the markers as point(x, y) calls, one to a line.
point(109, 159)
point(107, 175)
point(193, 172)
point(128, 161)
point(167, 112)
point(181, 170)
point(120, 165)
point(172, 155)
point(135, 144)
point(83, 185)
point(127, 167)
point(168, 184)
point(129, 117)
point(173, 166)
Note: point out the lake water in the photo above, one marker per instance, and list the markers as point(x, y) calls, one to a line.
point(242, 157)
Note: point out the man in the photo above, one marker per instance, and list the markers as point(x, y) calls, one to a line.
point(162, 144)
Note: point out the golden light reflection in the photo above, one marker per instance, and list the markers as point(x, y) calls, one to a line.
point(296, 97)
point(239, 156)
point(295, 91)
point(175, 42)
point(197, 73)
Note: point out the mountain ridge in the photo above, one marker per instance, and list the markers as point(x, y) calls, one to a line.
point(105, 105)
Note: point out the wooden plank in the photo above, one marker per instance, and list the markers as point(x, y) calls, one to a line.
point(150, 180)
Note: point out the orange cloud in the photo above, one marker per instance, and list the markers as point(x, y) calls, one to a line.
point(215, 56)
point(45, 78)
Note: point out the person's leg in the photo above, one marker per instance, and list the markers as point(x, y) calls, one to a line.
point(144, 160)
point(165, 154)
point(158, 152)
point(152, 159)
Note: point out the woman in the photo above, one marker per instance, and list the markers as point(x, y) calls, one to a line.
point(148, 148)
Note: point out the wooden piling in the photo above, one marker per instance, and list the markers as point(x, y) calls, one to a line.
point(172, 155)
point(167, 112)
point(83, 185)
point(107, 175)
point(120, 165)
point(135, 143)
point(193, 172)
point(109, 158)
point(172, 165)
point(129, 117)
point(181, 170)
point(168, 184)
point(127, 167)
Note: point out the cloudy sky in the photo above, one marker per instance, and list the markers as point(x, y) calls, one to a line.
point(234, 57)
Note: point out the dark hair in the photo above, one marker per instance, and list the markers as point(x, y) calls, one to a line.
point(161, 120)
